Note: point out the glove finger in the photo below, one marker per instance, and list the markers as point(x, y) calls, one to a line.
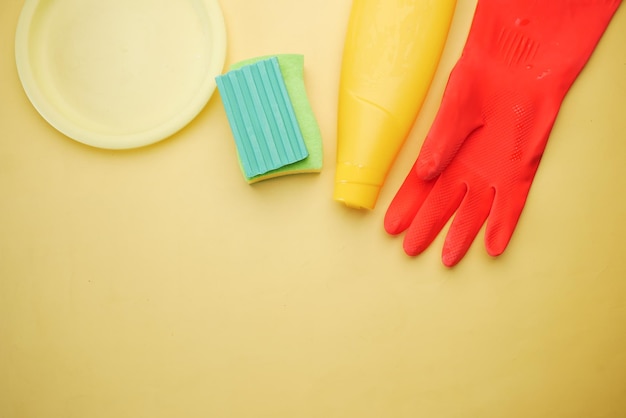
point(442, 201)
point(467, 223)
point(406, 203)
point(459, 115)
point(507, 208)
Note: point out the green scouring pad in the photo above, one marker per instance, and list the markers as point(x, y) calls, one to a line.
point(276, 133)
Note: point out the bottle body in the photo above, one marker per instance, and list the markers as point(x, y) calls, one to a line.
point(390, 56)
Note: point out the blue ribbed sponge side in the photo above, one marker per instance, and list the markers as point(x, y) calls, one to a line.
point(261, 117)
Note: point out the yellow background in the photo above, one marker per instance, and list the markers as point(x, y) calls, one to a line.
point(156, 283)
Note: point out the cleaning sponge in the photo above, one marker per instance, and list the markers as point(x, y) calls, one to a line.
point(292, 131)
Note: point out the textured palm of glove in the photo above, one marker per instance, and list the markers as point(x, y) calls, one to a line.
point(502, 98)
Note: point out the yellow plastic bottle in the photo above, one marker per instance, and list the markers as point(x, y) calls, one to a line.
point(390, 56)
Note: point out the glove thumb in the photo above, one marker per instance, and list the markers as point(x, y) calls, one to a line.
point(459, 115)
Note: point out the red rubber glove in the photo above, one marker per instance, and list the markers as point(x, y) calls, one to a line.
point(498, 109)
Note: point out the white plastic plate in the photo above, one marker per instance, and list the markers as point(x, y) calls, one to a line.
point(119, 73)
